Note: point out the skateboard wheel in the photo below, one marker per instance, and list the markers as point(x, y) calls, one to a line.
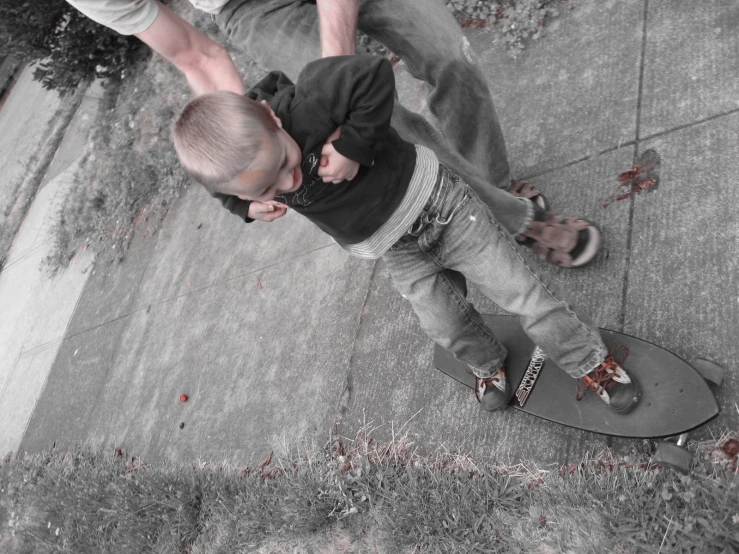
point(674, 456)
point(711, 372)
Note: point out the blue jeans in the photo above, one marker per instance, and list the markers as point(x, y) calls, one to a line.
point(284, 35)
point(456, 237)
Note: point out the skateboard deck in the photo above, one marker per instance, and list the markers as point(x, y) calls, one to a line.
point(674, 397)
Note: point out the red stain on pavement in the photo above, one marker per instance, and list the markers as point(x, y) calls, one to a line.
point(643, 176)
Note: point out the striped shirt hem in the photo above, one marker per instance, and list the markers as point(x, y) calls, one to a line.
point(419, 189)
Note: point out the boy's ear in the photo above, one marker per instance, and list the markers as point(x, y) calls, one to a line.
point(274, 117)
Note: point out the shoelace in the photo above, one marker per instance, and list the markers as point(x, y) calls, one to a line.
point(603, 378)
point(487, 381)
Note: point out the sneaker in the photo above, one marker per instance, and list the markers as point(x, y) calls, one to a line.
point(613, 385)
point(493, 393)
point(563, 241)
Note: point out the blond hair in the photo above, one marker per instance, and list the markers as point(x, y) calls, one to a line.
point(218, 135)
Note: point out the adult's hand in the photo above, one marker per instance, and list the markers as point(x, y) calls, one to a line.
point(337, 21)
point(205, 63)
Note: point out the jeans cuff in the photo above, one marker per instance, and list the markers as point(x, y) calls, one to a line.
point(528, 218)
point(592, 363)
point(488, 370)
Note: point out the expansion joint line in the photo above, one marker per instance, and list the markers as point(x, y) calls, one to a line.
point(637, 140)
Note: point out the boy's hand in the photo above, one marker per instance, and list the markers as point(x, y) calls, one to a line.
point(266, 211)
point(334, 167)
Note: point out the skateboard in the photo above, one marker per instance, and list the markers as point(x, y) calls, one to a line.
point(675, 395)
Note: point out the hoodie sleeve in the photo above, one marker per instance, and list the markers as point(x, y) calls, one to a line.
point(235, 205)
point(270, 86)
point(358, 92)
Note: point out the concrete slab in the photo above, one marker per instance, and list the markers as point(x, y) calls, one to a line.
point(275, 380)
point(251, 379)
point(59, 303)
point(20, 394)
point(265, 244)
point(682, 291)
point(26, 117)
point(111, 290)
point(690, 63)
point(192, 250)
point(571, 94)
point(199, 244)
point(36, 311)
point(21, 288)
point(79, 374)
point(24, 285)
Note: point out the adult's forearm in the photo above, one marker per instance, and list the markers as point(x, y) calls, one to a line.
point(205, 63)
point(338, 26)
point(214, 71)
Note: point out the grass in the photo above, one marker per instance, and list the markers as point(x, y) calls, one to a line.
point(368, 498)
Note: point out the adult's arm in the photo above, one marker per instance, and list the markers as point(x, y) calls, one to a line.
point(205, 63)
point(338, 25)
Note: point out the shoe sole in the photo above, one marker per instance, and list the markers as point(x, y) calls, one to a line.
point(591, 250)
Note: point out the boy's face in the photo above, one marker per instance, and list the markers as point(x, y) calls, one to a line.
point(274, 171)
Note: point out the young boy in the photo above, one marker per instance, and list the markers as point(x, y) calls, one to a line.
point(380, 196)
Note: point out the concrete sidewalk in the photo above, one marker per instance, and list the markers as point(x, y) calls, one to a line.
point(36, 308)
point(277, 336)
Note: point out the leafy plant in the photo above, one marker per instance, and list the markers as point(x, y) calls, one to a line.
point(68, 47)
point(129, 174)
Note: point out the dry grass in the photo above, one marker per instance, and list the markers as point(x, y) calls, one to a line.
point(367, 497)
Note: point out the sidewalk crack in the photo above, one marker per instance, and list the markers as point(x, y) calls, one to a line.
point(632, 200)
point(347, 394)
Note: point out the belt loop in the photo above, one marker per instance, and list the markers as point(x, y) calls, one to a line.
point(433, 204)
point(437, 188)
